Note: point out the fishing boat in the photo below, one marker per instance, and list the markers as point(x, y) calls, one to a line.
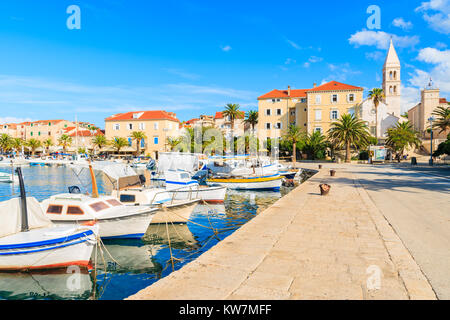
point(134, 190)
point(114, 219)
point(30, 241)
point(7, 177)
point(180, 184)
point(269, 182)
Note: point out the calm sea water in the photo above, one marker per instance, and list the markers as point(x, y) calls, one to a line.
point(124, 267)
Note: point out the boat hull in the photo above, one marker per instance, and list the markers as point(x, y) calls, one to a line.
point(175, 213)
point(247, 183)
point(214, 194)
point(51, 253)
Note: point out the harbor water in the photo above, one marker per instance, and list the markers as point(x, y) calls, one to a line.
point(123, 267)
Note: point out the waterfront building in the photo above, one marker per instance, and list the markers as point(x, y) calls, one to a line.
point(310, 109)
point(223, 123)
point(419, 114)
point(157, 125)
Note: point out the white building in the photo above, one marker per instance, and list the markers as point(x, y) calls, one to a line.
point(389, 111)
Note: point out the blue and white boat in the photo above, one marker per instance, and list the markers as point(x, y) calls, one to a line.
point(30, 241)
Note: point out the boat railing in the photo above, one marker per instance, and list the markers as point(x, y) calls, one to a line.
point(175, 191)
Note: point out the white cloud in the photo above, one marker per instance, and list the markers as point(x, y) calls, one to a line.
point(380, 39)
point(410, 97)
point(437, 14)
point(441, 45)
point(340, 72)
point(293, 44)
point(306, 64)
point(226, 48)
point(314, 59)
point(375, 56)
point(290, 61)
point(183, 74)
point(405, 25)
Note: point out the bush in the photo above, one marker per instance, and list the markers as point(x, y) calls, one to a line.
point(364, 155)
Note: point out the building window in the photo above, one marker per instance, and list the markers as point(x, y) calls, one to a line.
point(351, 97)
point(334, 98)
point(303, 100)
point(318, 99)
point(155, 140)
point(130, 126)
point(142, 126)
point(268, 125)
point(130, 142)
point(334, 114)
point(318, 129)
point(31, 134)
point(292, 112)
point(116, 126)
point(278, 112)
point(155, 125)
point(273, 100)
point(268, 112)
point(318, 115)
point(278, 125)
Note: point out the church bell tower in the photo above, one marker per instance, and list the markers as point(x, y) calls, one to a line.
point(392, 81)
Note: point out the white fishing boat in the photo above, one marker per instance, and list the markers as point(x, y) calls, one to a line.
point(8, 177)
point(133, 190)
point(182, 187)
point(270, 182)
point(29, 240)
point(114, 219)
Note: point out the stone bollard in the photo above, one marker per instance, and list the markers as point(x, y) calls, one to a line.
point(320, 166)
point(332, 173)
point(324, 189)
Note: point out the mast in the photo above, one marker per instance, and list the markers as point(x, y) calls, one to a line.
point(76, 136)
point(94, 182)
point(23, 198)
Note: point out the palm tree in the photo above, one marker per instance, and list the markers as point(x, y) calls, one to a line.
point(119, 143)
point(232, 112)
point(48, 143)
point(315, 145)
point(252, 119)
point(377, 96)
point(99, 141)
point(5, 142)
point(65, 141)
point(294, 135)
point(173, 142)
point(401, 137)
point(33, 144)
point(443, 118)
point(349, 131)
point(16, 143)
point(138, 136)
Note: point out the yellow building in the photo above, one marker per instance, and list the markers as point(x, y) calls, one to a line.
point(310, 109)
point(157, 126)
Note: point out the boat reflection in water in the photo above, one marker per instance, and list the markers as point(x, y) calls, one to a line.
point(69, 283)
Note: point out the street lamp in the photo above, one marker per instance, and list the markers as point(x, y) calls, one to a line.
point(431, 119)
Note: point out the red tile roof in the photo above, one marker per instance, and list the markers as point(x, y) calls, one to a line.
point(301, 93)
point(219, 115)
point(443, 100)
point(146, 115)
point(334, 86)
point(86, 133)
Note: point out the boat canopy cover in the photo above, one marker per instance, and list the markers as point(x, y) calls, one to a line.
point(11, 216)
point(178, 161)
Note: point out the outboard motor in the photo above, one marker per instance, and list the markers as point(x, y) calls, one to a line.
point(74, 190)
point(142, 179)
point(151, 165)
point(201, 177)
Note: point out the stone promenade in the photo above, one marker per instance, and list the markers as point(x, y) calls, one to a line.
point(305, 246)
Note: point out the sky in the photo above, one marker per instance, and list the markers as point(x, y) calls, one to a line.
point(194, 57)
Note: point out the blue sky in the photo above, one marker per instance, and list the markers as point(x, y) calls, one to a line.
point(193, 57)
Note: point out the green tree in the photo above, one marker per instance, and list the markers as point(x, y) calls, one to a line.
point(65, 141)
point(33, 144)
point(315, 145)
point(47, 144)
point(442, 118)
point(443, 148)
point(5, 142)
point(173, 142)
point(294, 135)
point(252, 119)
point(119, 143)
point(138, 136)
point(349, 131)
point(232, 112)
point(16, 143)
point(401, 137)
point(377, 96)
point(99, 141)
